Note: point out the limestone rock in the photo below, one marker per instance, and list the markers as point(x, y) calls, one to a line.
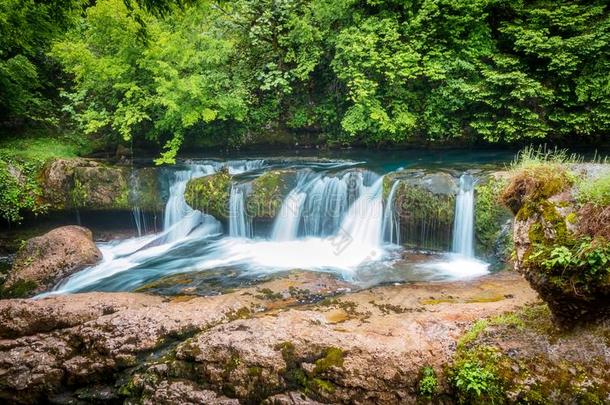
point(46, 259)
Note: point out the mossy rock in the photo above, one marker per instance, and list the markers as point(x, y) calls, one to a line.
point(569, 270)
point(522, 357)
point(492, 220)
point(94, 185)
point(100, 187)
point(268, 192)
point(426, 219)
point(210, 194)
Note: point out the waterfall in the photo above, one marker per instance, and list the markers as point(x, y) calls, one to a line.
point(317, 202)
point(391, 221)
point(326, 204)
point(239, 225)
point(242, 166)
point(363, 220)
point(463, 226)
point(139, 218)
point(286, 226)
point(180, 219)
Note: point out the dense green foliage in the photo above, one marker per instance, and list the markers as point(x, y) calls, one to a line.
point(373, 72)
point(595, 191)
point(21, 160)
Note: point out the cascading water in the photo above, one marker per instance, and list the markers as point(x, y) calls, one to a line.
point(139, 218)
point(239, 223)
point(391, 224)
point(463, 228)
point(180, 219)
point(332, 220)
point(364, 218)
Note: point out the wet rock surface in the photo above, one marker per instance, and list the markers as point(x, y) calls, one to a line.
point(89, 184)
point(46, 259)
point(255, 344)
point(553, 220)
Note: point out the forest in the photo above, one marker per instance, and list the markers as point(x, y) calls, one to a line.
point(162, 75)
point(305, 202)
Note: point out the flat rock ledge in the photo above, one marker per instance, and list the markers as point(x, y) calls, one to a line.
point(264, 344)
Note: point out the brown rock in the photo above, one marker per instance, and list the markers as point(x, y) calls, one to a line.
point(46, 259)
point(238, 346)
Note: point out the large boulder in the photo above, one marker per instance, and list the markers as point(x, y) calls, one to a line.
point(94, 185)
point(564, 258)
point(45, 260)
point(425, 205)
point(210, 194)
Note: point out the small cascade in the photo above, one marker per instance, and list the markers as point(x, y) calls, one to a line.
point(363, 220)
point(463, 226)
point(326, 205)
point(318, 203)
point(180, 219)
point(139, 218)
point(242, 166)
point(286, 226)
point(391, 221)
point(239, 223)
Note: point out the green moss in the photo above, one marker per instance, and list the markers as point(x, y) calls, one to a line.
point(241, 313)
point(19, 289)
point(315, 383)
point(20, 190)
point(482, 372)
point(333, 357)
point(425, 218)
point(490, 217)
point(530, 185)
point(428, 383)
point(267, 194)
point(320, 385)
point(210, 194)
point(268, 294)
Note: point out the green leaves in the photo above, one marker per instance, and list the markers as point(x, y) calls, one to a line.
point(161, 88)
point(374, 72)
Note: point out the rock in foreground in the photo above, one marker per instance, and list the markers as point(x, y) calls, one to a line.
point(253, 345)
point(45, 260)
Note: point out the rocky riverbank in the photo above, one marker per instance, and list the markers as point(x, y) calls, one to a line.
point(301, 336)
point(250, 345)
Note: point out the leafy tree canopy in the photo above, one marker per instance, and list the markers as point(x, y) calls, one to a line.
point(354, 71)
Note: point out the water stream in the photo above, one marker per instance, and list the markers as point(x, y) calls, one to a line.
point(334, 219)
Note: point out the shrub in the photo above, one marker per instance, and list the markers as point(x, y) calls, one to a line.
point(579, 264)
point(428, 384)
point(536, 175)
point(596, 192)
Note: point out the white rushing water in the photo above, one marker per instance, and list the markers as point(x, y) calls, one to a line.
point(180, 219)
point(239, 223)
point(463, 225)
point(327, 222)
point(462, 262)
point(391, 224)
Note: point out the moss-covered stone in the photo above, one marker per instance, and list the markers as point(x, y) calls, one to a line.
point(426, 218)
point(569, 270)
point(522, 358)
point(210, 194)
point(93, 185)
point(19, 289)
point(267, 193)
point(492, 221)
